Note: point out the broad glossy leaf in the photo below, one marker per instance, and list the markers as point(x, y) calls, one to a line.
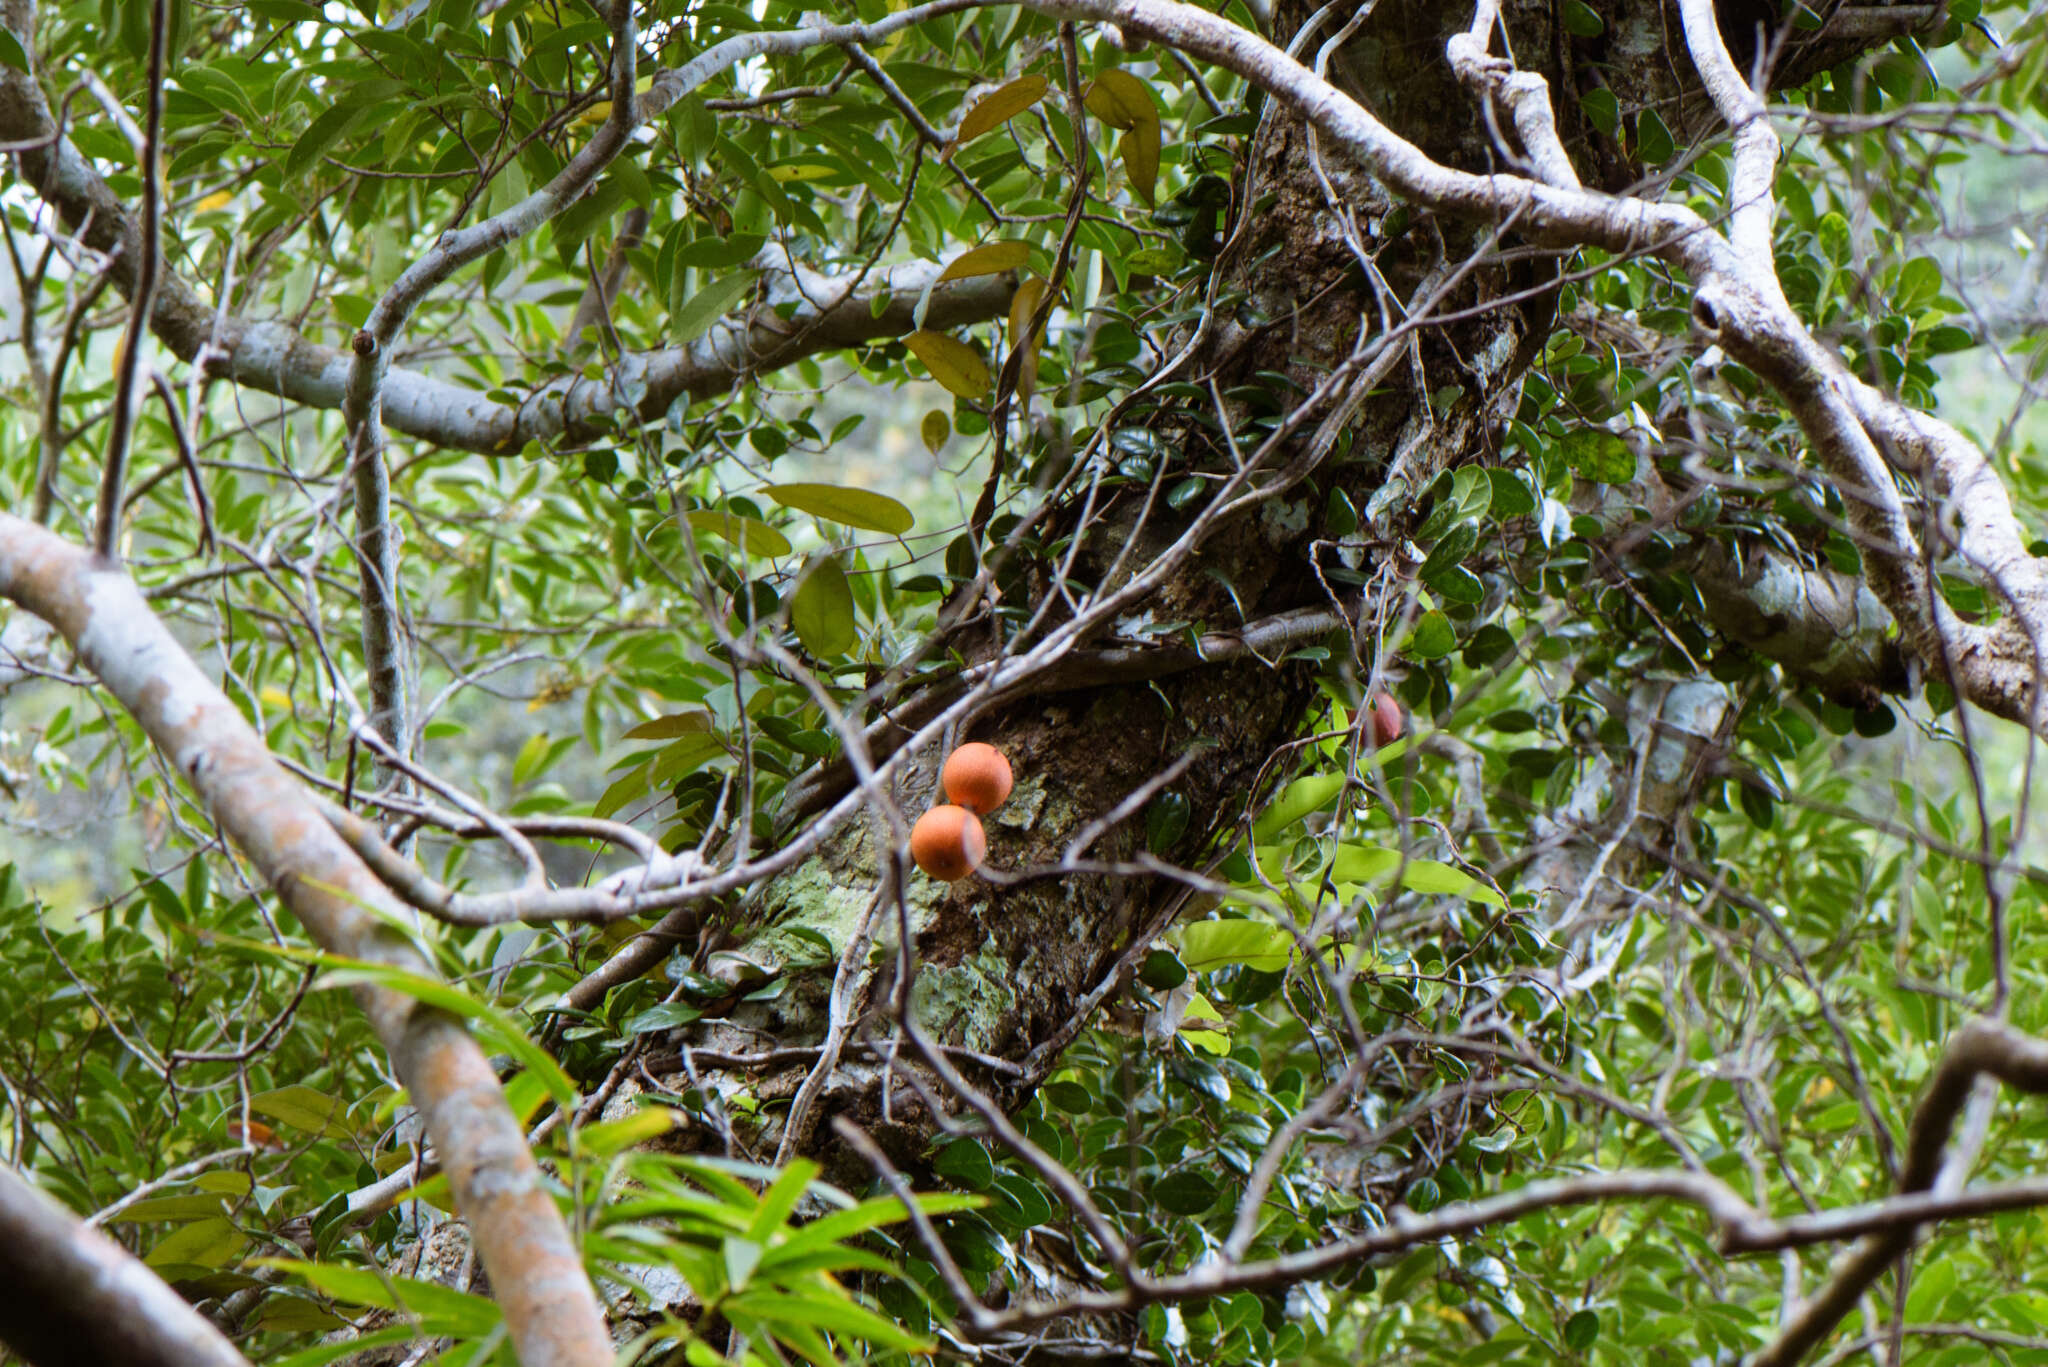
point(862, 508)
point(998, 107)
point(1209, 945)
point(749, 533)
point(1140, 151)
point(1120, 100)
point(708, 305)
point(936, 430)
point(952, 363)
point(822, 611)
point(991, 258)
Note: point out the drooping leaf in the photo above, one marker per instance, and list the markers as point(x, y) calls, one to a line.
point(1121, 100)
point(822, 610)
point(1140, 151)
point(936, 430)
point(1023, 306)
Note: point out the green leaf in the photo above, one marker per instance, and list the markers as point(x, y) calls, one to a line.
point(1162, 971)
point(862, 508)
point(1581, 1330)
point(1185, 1192)
point(966, 1163)
point(304, 1108)
point(997, 108)
point(1602, 109)
point(1511, 496)
point(321, 1354)
point(952, 363)
point(781, 1197)
point(1296, 801)
point(868, 1215)
point(1654, 144)
point(203, 1243)
point(822, 610)
point(1919, 284)
point(671, 726)
point(441, 1310)
point(328, 128)
point(1580, 19)
point(1368, 864)
point(749, 533)
point(742, 1256)
point(170, 1210)
point(615, 1136)
point(1598, 455)
point(836, 1313)
point(494, 1026)
point(708, 305)
point(665, 1016)
point(1427, 875)
point(1363, 863)
point(1206, 946)
point(1434, 636)
point(11, 52)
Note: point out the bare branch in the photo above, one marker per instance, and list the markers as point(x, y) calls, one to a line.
point(121, 426)
point(1982, 1047)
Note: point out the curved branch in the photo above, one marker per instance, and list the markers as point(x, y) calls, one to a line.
point(534, 1265)
point(1982, 1047)
point(74, 1295)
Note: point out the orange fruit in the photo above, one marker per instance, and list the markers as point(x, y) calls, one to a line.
point(977, 777)
point(948, 843)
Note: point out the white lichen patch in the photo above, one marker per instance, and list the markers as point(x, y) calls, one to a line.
point(1282, 521)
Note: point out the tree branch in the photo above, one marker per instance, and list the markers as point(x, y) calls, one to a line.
point(535, 1267)
point(76, 1296)
point(1981, 1047)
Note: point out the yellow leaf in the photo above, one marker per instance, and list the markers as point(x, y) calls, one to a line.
point(952, 363)
point(801, 170)
point(1023, 304)
point(1120, 100)
point(936, 430)
point(1140, 150)
point(992, 258)
point(219, 199)
point(894, 40)
point(1000, 106)
point(602, 110)
point(273, 696)
point(751, 534)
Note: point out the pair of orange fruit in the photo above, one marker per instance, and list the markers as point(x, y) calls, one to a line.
point(948, 842)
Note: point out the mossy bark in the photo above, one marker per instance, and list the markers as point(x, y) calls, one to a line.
point(1001, 968)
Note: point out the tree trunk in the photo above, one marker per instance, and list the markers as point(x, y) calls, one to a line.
point(1004, 964)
